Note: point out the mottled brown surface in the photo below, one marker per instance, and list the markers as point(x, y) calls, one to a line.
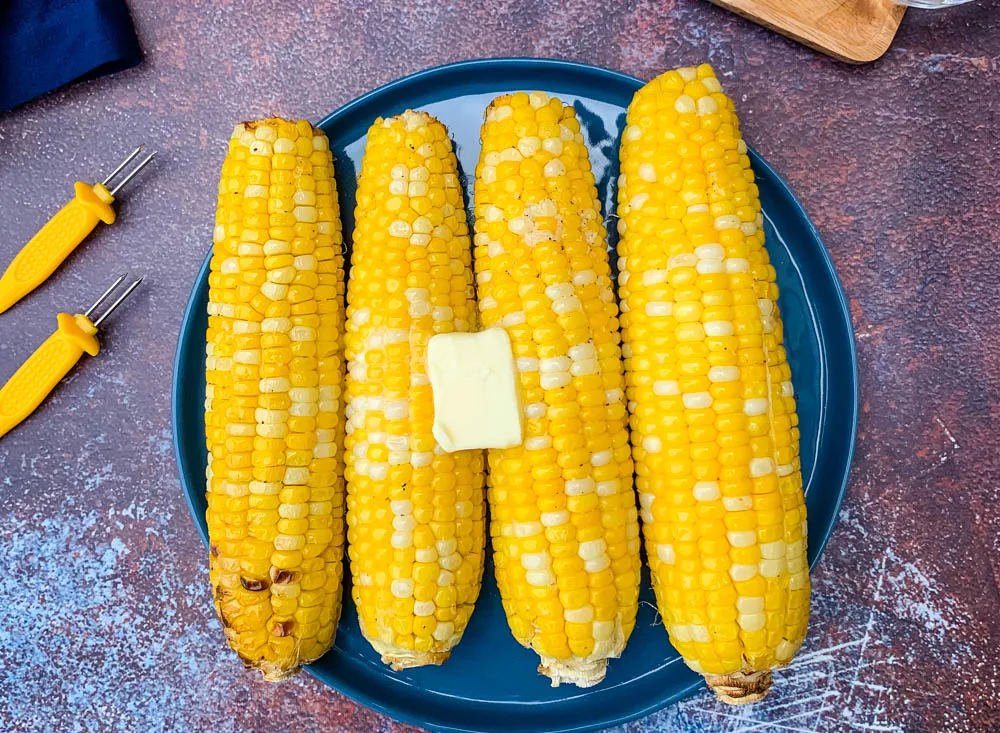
point(106, 620)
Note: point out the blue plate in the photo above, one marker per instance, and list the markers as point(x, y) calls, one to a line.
point(490, 681)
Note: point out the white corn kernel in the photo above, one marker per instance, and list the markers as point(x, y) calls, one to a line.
point(296, 475)
point(697, 400)
point(773, 550)
point(527, 529)
point(723, 374)
point(656, 308)
point(601, 458)
point(666, 387)
point(273, 385)
point(303, 394)
point(706, 491)
point(580, 486)
point(402, 587)
point(419, 460)
point(554, 364)
point(555, 519)
point(535, 560)
point(535, 410)
point(446, 547)
point(761, 467)
point(540, 578)
point(603, 630)
point(554, 168)
point(582, 615)
point(401, 540)
point(665, 554)
point(555, 380)
point(528, 364)
point(538, 442)
point(426, 554)
point(444, 630)
point(707, 106)
point(423, 608)
point(597, 565)
point(773, 568)
point(718, 328)
point(685, 104)
point(592, 549)
point(585, 367)
point(737, 264)
point(745, 538)
point(247, 356)
point(699, 633)
point(608, 488)
point(680, 633)
point(740, 573)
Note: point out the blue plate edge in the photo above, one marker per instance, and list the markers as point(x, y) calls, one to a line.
point(183, 336)
point(844, 311)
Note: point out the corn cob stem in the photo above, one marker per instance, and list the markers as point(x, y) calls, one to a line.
point(273, 410)
point(416, 514)
point(714, 429)
point(564, 523)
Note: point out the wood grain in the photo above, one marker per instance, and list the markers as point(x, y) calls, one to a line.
point(856, 31)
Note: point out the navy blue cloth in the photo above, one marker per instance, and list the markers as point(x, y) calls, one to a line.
point(45, 44)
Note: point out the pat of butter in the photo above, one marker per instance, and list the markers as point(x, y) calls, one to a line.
point(474, 383)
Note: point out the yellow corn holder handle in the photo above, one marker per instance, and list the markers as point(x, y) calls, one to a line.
point(62, 234)
point(53, 243)
point(44, 369)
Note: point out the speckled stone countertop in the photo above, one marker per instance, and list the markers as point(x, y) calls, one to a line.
point(105, 616)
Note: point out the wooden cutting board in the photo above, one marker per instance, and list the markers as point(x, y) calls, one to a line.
point(856, 31)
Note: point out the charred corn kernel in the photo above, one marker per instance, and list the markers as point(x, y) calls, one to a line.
point(563, 510)
point(416, 514)
point(274, 371)
point(713, 425)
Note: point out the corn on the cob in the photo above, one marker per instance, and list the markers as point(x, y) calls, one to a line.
point(415, 513)
point(273, 403)
point(564, 522)
point(714, 428)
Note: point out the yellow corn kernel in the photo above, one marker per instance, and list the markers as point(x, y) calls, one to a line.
point(715, 451)
point(544, 275)
point(276, 582)
point(416, 517)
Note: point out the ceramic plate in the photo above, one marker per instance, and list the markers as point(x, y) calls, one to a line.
point(490, 682)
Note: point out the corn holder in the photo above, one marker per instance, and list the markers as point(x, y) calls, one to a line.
point(53, 243)
point(43, 370)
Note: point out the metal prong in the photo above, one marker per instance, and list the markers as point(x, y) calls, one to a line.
point(105, 294)
point(118, 302)
point(124, 163)
point(131, 175)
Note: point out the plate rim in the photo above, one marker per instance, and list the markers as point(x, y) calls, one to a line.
point(344, 686)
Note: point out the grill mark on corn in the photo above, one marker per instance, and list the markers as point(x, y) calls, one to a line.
point(254, 584)
point(274, 376)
